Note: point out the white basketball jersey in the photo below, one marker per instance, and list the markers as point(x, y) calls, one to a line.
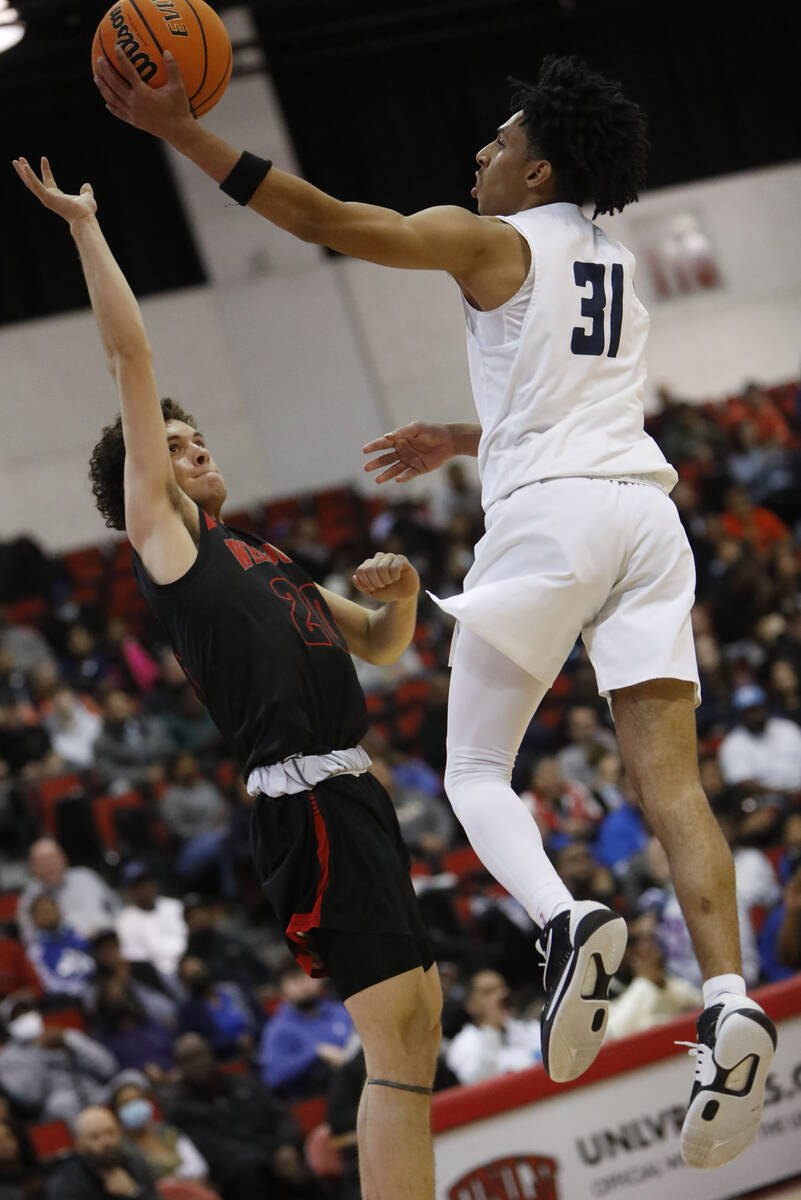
point(558, 371)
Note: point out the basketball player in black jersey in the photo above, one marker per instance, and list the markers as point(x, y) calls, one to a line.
point(269, 653)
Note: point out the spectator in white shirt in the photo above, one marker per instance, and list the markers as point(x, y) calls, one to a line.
point(494, 1042)
point(151, 927)
point(654, 995)
point(761, 751)
point(87, 902)
point(73, 727)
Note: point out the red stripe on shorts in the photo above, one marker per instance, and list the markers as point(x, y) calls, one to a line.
point(301, 922)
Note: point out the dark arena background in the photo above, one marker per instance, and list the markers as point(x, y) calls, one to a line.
point(115, 787)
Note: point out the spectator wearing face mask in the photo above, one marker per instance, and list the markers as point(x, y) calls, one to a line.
point(49, 1074)
point(168, 1153)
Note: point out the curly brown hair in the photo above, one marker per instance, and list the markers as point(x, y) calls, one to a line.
point(106, 466)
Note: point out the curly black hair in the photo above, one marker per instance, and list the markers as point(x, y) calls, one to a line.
point(594, 138)
point(106, 466)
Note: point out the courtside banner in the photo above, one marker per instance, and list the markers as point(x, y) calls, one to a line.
point(615, 1131)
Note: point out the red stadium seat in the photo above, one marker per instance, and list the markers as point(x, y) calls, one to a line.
point(185, 1189)
point(52, 1140)
point(463, 861)
point(103, 810)
point(66, 1018)
point(309, 1113)
point(8, 905)
point(16, 971)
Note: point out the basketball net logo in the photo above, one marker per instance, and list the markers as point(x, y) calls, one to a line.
point(130, 47)
point(517, 1177)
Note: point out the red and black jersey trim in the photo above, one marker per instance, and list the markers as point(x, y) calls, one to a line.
point(301, 923)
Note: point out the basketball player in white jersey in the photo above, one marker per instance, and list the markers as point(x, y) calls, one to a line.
point(581, 537)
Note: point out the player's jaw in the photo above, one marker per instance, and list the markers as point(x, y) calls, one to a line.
point(501, 179)
point(195, 471)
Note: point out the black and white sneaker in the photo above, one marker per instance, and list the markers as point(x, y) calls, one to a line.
point(735, 1047)
point(582, 949)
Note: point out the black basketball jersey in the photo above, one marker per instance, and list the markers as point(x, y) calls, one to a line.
point(256, 638)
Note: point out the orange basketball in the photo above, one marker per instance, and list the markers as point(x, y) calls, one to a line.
point(189, 29)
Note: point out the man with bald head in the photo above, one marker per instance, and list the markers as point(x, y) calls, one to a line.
point(86, 900)
point(101, 1168)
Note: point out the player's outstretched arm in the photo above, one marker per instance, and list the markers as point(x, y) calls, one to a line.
point(448, 238)
point(418, 448)
point(149, 479)
point(379, 635)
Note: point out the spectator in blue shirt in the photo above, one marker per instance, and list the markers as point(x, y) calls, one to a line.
point(304, 1042)
point(59, 955)
point(218, 1011)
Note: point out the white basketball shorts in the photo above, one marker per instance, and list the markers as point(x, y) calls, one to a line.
point(602, 558)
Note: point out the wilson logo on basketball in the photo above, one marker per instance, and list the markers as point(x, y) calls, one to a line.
point(518, 1177)
point(130, 46)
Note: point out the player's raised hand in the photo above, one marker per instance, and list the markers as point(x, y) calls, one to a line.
point(411, 450)
point(387, 577)
point(159, 111)
point(71, 208)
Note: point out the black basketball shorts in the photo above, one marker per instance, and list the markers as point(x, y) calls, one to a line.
point(335, 869)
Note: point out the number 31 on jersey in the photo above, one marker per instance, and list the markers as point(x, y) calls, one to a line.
point(592, 340)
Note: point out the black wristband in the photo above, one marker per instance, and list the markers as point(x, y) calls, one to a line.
point(241, 183)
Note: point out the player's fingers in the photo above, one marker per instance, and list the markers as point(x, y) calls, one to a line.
point(118, 112)
point(29, 177)
point(391, 473)
point(407, 475)
point(87, 189)
point(383, 460)
point(126, 68)
point(174, 75)
point(380, 443)
point(47, 174)
point(112, 89)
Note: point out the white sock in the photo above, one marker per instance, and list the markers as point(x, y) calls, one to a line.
point(722, 986)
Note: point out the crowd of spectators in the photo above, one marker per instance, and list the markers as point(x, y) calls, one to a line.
point(145, 995)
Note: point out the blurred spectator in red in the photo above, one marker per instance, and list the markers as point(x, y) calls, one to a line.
point(59, 955)
point(748, 522)
point(560, 805)
point(653, 996)
point(493, 1042)
point(87, 901)
point(760, 752)
point(755, 407)
point(150, 927)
